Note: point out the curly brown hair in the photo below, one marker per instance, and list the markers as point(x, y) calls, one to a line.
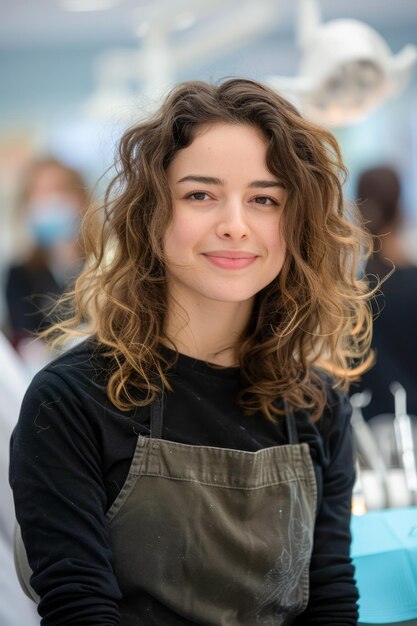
point(314, 316)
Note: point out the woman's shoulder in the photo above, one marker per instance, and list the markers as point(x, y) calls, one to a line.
point(80, 368)
point(87, 352)
point(66, 396)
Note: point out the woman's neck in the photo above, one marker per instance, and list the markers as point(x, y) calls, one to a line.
point(208, 330)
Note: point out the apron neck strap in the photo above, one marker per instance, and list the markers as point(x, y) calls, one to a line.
point(157, 410)
point(291, 425)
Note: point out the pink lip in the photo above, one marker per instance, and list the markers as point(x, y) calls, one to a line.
point(230, 259)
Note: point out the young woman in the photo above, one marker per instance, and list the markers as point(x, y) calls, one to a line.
point(191, 462)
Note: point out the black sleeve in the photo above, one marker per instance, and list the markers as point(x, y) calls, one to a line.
point(60, 500)
point(333, 593)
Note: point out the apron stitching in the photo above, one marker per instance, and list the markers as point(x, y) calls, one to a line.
point(223, 486)
point(292, 448)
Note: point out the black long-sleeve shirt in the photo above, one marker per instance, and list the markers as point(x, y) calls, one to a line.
point(71, 452)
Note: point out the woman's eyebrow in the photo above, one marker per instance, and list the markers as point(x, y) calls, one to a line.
point(204, 180)
point(266, 183)
point(211, 180)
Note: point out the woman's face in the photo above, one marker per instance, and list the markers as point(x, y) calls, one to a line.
point(224, 241)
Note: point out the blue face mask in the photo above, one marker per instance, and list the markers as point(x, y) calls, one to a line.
point(52, 221)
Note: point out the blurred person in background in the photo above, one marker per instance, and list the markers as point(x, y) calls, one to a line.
point(395, 308)
point(51, 203)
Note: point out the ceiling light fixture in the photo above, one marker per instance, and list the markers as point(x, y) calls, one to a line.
point(347, 70)
point(78, 6)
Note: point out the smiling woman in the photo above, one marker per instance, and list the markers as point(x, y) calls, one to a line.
point(191, 462)
point(224, 241)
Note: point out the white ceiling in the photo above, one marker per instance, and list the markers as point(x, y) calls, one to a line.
point(43, 23)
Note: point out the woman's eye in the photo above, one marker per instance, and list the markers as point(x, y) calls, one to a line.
point(266, 201)
point(198, 195)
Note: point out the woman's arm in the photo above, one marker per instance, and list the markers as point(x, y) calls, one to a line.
point(60, 500)
point(333, 593)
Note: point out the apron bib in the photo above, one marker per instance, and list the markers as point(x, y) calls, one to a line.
point(213, 536)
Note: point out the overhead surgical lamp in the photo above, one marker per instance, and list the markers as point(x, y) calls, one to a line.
point(346, 71)
point(133, 80)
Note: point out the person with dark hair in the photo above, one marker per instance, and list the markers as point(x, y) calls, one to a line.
point(191, 461)
point(395, 306)
point(52, 200)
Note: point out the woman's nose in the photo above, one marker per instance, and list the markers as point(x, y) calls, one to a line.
point(232, 222)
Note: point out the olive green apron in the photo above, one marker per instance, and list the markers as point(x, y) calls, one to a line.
point(213, 536)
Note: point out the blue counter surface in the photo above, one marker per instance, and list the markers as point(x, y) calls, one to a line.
point(384, 551)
